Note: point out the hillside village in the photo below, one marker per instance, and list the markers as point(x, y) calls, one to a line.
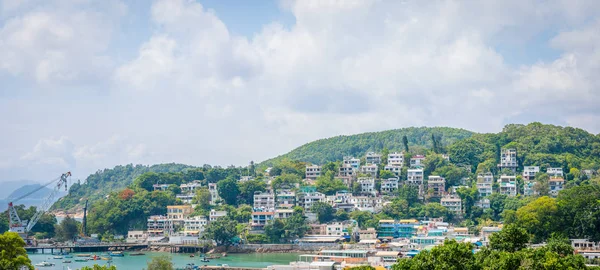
point(372, 182)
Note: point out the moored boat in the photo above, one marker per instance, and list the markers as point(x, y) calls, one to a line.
point(137, 254)
point(117, 254)
point(44, 264)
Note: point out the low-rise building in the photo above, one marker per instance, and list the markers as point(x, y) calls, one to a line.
point(313, 171)
point(190, 187)
point(368, 234)
point(186, 198)
point(508, 160)
point(264, 201)
point(160, 187)
point(307, 198)
point(584, 244)
point(396, 159)
point(436, 186)
point(136, 236)
point(285, 199)
point(486, 232)
point(484, 203)
point(367, 185)
point(508, 185)
point(555, 172)
point(373, 158)
point(396, 170)
point(485, 184)
point(214, 193)
point(370, 169)
point(283, 213)
point(556, 184)
point(214, 215)
point(529, 172)
point(417, 161)
point(194, 226)
point(179, 212)
point(260, 219)
point(352, 162)
point(452, 203)
point(389, 185)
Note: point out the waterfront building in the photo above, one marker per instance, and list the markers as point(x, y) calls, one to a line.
point(194, 226)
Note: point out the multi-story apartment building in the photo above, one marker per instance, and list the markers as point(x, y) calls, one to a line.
point(373, 158)
point(396, 170)
point(389, 185)
point(452, 203)
point(555, 172)
point(307, 198)
point(508, 185)
point(340, 228)
point(214, 193)
point(529, 172)
point(260, 219)
point(352, 162)
point(264, 201)
point(396, 159)
point(417, 161)
point(370, 169)
point(528, 187)
point(179, 212)
point(214, 215)
point(285, 199)
point(367, 186)
point(436, 186)
point(485, 183)
point(556, 184)
point(195, 225)
point(313, 171)
point(190, 187)
point(508, 160)
point(158, 226)
point(347, 170)
point(415, 178)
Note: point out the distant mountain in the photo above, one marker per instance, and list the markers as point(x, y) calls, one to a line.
point(335, 148)
point(10, 186)
point(40, 194)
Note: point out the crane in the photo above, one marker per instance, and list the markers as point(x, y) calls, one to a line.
point(84, 225)
point(22, 227)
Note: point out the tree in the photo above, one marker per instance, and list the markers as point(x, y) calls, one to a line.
point(275, 230)
point(435, 210)
point(222, 231)
point(510, 239)
point(248, 188)
point(408, 193)
point(285, 180)
point(450, 255)
point(324, 211)
point(579, 211)
point(362, 218)
point(541, 186)
point(295, 225)
point(539, 218)
point(162, 262)
point(202, 199)
point(405, 143)
point(12, 254)
point(469, 197)
point(386, 174)
point(67, 229)
point(328, 185)
point(228, 190)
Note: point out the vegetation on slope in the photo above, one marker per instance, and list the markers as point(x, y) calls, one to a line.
point(101, 183)
point(335, 148)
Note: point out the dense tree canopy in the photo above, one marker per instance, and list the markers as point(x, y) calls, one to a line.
point(12, 253)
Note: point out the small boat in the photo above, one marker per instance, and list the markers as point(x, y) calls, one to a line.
point(81, 260)
point(117, 254)
point(191, 255)
point(106, 258)
point(224, 254)
point(212, 257)
point(68, 256)
point(205, 260)
point(58, 257)
point(137, 254)
point(44, 264)
point(84, 255)
point(66, 261)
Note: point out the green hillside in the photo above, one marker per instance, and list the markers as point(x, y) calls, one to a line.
point(335, 148)
point(103, 182)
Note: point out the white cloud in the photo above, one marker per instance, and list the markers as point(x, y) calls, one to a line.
point(194, 92)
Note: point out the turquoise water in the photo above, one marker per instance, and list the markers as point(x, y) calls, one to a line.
point(259, 260)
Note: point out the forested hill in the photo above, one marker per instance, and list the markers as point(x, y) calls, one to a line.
point(335, 148)
point(103, 182)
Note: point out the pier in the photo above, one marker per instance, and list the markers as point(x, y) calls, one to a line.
point(85, 248)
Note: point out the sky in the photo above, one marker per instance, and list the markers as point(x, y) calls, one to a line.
point(87, 85)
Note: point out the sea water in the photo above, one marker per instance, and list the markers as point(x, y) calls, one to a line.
point(180, 260)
